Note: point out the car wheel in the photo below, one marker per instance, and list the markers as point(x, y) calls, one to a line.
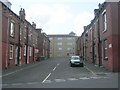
point(71, 65)
point(81, 65)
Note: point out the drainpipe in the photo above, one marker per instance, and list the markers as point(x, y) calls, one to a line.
point(99, 43)
point(18, 59)
point(7, 42)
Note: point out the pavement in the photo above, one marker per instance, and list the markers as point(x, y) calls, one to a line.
point(15, 69)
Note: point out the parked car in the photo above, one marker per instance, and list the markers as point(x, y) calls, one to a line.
point(76, 61)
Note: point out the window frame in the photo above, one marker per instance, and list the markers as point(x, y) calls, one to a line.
point(25, 48)
point(105, 49)
point(12, 28)
point(11, 51)
point(104, 21)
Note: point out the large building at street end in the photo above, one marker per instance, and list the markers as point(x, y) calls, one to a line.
point(62, 45)
point(21, 42)
point(100, 42)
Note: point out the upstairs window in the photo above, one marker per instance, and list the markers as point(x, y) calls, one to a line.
point(60, 43)
point(60, 38)
point(12, 29)
point(104, 22)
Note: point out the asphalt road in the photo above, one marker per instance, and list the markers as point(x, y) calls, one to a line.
point(57, 73)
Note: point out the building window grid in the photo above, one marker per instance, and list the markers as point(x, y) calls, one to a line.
point(59, 48)
point(60, 38)
point(69, 38)
point(69, 43)
point(11, 51)
point(59, 43)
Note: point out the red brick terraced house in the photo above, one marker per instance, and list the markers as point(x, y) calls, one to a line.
point(45, 46)
point(99, 43)
point(10, 39)
point(20, 39)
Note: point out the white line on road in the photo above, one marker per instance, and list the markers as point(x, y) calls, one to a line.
point(54, 68)
point(46, 78)
point(19, 70)
point(58, 64)
point(90, 70)
point(60, 80)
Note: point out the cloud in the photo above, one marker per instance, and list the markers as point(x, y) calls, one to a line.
point(55, 18)
point(82, 20)
point(49, 17)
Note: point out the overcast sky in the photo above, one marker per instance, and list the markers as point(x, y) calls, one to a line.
point(58, 16)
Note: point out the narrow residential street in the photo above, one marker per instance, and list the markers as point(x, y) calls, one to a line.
point(57, 73)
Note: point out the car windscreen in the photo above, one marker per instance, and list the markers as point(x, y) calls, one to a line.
point(75, 58)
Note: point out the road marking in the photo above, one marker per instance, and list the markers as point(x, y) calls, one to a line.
point(58, 64)
point(13, 72)
point(15, 84)
point(46, 78)
point(90, 70)
point(32, 83)
point(19, 70)
point(84, 78)
point(54, 68)
point(72, 79)
point(48, 81)
point(60, 80)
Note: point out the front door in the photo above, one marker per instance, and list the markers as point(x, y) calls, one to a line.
point(16, 55)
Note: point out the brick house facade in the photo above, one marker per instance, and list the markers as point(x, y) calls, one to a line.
point(20, 39)
point(99, 44)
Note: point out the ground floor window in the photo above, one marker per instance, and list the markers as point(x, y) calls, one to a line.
point(105, 48)
point(11, 51)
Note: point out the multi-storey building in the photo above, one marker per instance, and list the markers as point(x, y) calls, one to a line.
point(99, 44)
point(20, 39)
point(62, 45)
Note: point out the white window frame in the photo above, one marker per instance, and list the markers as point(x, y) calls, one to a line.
point(51, 38)
point(25, 47)
point(20, 34)
point(12, 28)
point(59, 38)
point(11, 51)
point(59, 43)
point(105, 49)
point(30, 51)
point(69, 38)
point(104, 21)
point(25, 33)
point(60, 49)
point(70, 44)
point(20, 53)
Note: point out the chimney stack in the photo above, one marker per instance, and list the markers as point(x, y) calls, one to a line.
point(22, 14)
point(95, 11)
point(34, 25)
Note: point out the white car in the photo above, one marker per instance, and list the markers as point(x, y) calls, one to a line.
point(75, 61)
